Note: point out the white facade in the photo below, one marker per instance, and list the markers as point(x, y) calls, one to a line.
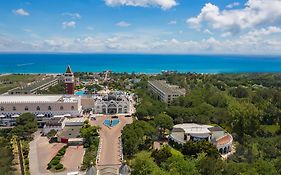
point(40, 105)
point(114, 103)
point(57, 123)
point(165, 92)
point(190, 131)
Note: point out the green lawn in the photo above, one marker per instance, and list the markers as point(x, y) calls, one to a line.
point(16, 80)
point(270, 128)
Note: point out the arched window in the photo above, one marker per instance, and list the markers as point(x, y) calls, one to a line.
point(38, 108)
point(49, 108)
point(26, 108)
point(14, 108)
point(2, 109)
point(61, 107)
point(72, 107)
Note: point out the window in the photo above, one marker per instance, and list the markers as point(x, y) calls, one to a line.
point(2, 109)
point(14, 108)
point(61, 107)
point(72, 107)
point(26, 108)
point(38, 108)
point(49, 108)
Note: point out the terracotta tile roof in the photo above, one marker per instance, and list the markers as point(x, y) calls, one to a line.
point(224, 140)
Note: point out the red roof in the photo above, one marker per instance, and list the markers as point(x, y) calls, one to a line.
point(224, 140)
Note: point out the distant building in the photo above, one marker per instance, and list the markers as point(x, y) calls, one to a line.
point(114, 103)
point(190, 131)
point(164, 91)
point(69, 81)
point(43, 106)
point(34, 87)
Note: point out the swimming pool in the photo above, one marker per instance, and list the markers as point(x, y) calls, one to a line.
point(114, 122)
point(111, 123)
point(82, 92)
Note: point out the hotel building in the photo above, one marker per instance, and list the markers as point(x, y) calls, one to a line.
point(190, 131)
point(164, 91)
point(114, 103)
point(43, 106)
point(34, 87)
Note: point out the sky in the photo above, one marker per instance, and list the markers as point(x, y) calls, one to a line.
point(141, 26)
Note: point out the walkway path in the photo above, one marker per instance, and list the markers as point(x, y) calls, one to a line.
point(110, 146)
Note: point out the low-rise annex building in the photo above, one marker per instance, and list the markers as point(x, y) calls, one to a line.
point(164, 91)
point(43, 106)
point(58, 123)
point(182, 133)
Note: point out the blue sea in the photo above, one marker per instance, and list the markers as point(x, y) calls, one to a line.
point(138, 63)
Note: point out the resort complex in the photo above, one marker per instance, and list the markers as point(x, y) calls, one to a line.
point(183, 133)
point(164, 91)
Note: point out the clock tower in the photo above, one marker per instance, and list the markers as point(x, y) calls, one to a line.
point(69, 81)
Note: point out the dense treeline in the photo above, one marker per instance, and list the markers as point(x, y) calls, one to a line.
point(6, 154)
point(246, 105)
point(26, 126)
point(57, 89)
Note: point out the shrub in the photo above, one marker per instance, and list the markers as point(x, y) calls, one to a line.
point(59, 166)
point(49, 166)
point(55, 162)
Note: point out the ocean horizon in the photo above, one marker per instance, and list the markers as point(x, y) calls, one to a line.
point(137, 63)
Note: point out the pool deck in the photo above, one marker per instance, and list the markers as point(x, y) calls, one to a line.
point(109, 138)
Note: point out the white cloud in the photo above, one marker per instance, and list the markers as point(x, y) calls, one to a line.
point(265, 31)
point(232, 5)
point(255, 13)
point(173, 22)
point(263, 41)
point(69, 24)
point(226, 34)
point(72, 15)
point(123, 24)
point(207, 31)
point(164, 4)
point(21, 12)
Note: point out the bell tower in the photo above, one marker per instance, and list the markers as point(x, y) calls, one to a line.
point(69, 81)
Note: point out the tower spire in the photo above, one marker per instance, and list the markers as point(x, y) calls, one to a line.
point(68, 69)
point(69, 81)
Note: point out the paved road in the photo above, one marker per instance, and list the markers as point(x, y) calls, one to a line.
point(110, 146)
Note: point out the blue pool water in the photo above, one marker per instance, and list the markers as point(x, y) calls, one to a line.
point(82, 92)
point(106, 123)
point(111, 123)
point(114, 123)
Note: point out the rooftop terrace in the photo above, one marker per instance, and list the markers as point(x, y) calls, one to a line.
point(36, 99)
point(166, 88)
